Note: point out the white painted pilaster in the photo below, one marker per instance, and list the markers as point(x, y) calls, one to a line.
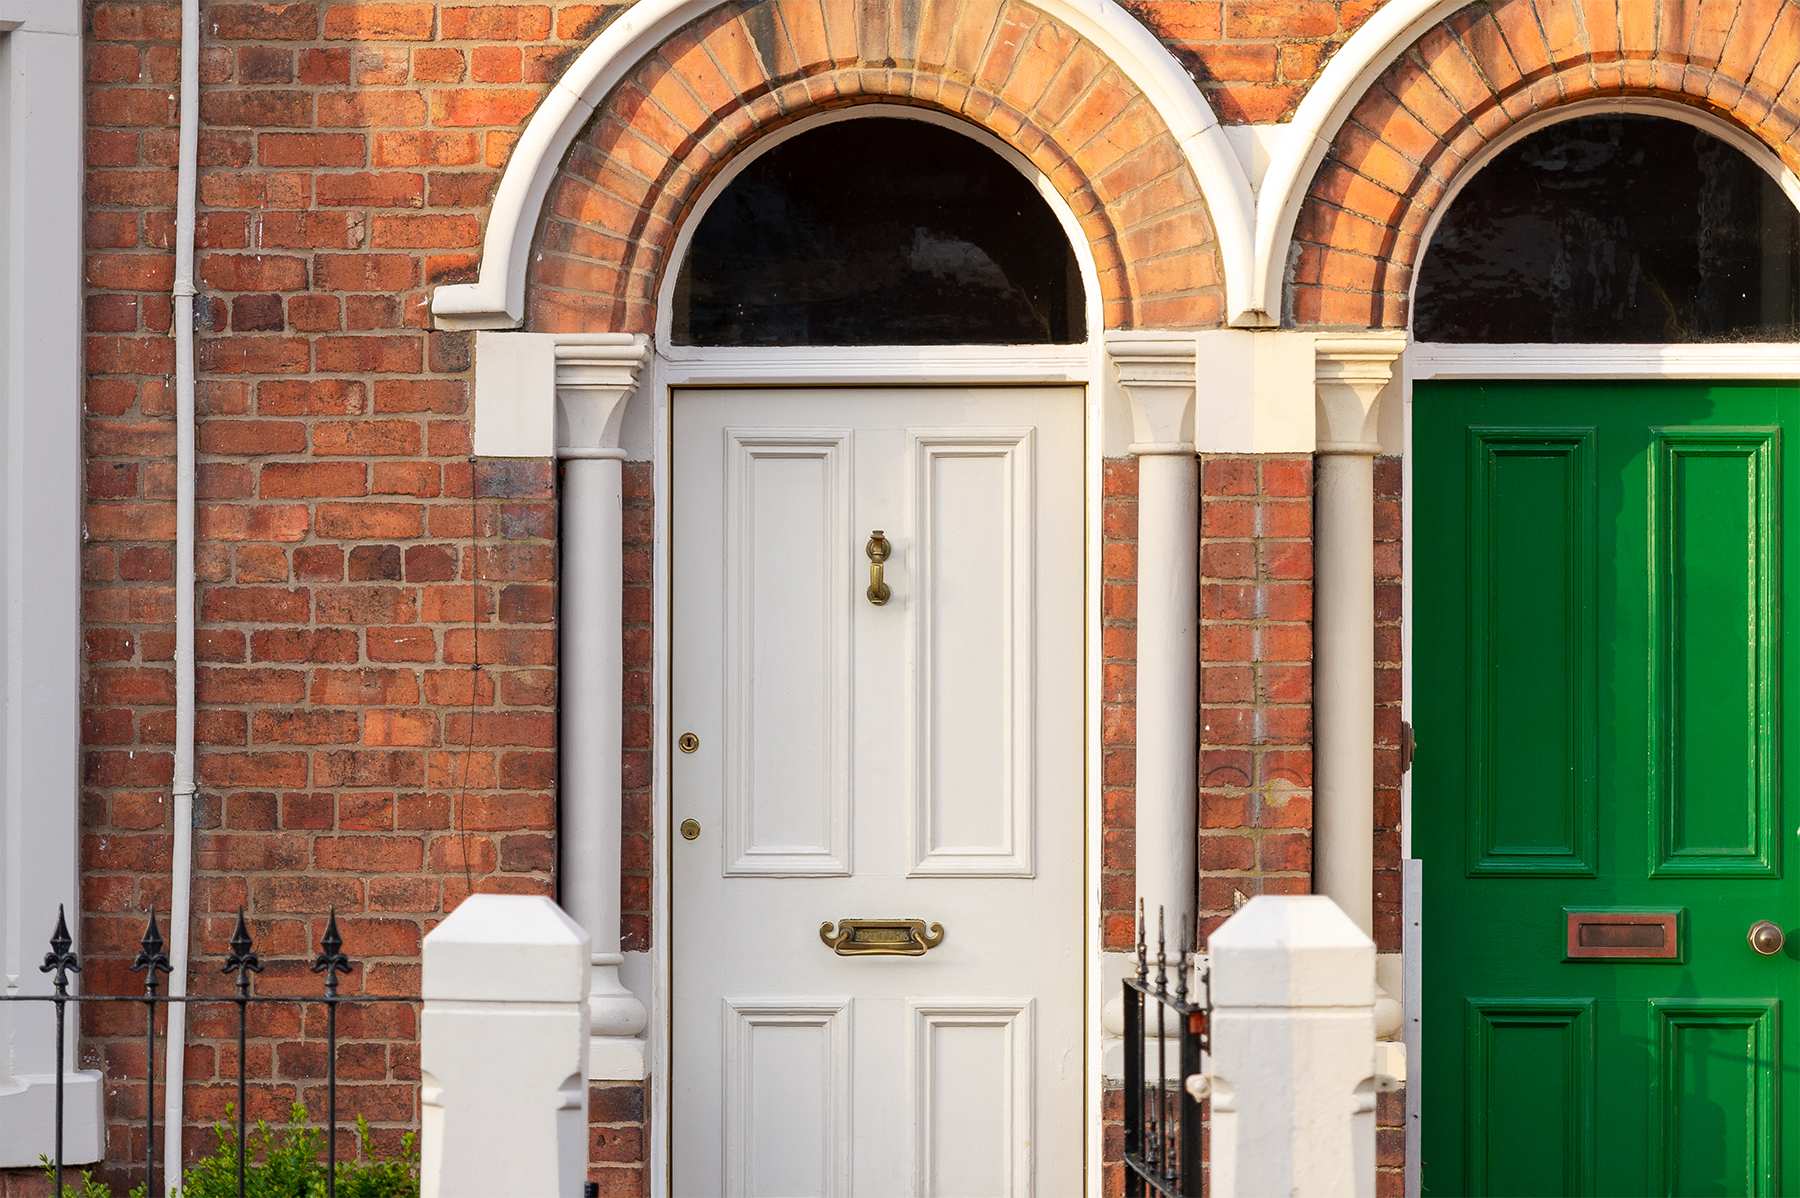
point(40, 571)
point(1157, 374)
point(1352, 371)
point(594, 381)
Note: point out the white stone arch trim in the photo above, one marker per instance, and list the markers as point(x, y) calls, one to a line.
point(496, 300)
point(1349, 75)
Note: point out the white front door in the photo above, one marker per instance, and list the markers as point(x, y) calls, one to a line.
point(917, 759)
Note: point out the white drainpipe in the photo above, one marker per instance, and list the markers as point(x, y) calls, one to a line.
point(181, 327)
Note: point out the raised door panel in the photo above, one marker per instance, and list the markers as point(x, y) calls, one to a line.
point(1532, 649)
point(1714, 791)
point(970, 1077)
point(1530, 1082)
point(787, 1083)
point(787, 807)
point(1716, 1097)
point(974, 644)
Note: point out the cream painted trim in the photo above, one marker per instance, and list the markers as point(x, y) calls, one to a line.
point(40, 580)
point(1773, 360)
point(497, 299)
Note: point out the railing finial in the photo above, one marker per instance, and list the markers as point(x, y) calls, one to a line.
point(59, 957)
point(1142, 968)
point(1162, 955)
point(152, 960)
point(1183, 952)
point(242, 958)
point(332, 960)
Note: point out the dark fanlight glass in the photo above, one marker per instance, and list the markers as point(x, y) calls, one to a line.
point(879, 231)
point(1619, 228)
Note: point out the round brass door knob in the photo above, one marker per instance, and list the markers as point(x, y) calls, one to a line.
point(690, 830)
point(1766, 938)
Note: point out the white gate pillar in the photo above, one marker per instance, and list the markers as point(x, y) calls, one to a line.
point(593, 383)
point(1351, 372)
point(1295, 1065)
point(503, 1052)
point(1158, 377)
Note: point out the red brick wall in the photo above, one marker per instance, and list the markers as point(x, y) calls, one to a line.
point(1253, 59)
point(1255, 680)
point(618, 1121)
point(377, 639)
point(1118, 722)
point(1387, 704)
point(638, 864)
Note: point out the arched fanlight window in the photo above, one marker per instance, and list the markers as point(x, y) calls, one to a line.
point(879, 231)
point(1617, 228)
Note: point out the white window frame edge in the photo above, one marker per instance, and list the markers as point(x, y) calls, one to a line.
point(40, 578)
point(496, 300)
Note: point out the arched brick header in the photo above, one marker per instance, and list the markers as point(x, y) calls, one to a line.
point(746, 69)
point(1473, 77)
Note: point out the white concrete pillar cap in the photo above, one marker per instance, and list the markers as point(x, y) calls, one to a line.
point(507, 948)
point(1291, 951)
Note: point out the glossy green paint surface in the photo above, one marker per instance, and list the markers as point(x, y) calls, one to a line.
point(1600, 680)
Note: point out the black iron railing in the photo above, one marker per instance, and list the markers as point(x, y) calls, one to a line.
point(1162, 1120)
point(61, 961)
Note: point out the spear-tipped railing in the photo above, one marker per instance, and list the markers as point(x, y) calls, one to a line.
point(63, 960)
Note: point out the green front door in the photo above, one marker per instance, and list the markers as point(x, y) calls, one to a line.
point(1602, 693)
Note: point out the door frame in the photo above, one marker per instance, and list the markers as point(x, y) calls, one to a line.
point(670, 367)
point(1424, 360)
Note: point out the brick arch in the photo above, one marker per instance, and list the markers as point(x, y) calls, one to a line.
point(744, 70)
point(1472, 78)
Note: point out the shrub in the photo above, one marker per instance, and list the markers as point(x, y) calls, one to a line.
point(284, 1162)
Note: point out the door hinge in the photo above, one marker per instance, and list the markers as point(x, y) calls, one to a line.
point(1406, 746)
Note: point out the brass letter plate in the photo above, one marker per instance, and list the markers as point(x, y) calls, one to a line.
point(881, 937)
point(1624, 935)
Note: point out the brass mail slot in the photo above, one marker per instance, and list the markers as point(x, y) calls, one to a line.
point(881, 937)
point(1624, 935)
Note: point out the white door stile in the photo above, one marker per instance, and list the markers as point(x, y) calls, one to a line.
point(670, 368)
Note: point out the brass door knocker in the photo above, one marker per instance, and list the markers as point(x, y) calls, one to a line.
point(879, 550)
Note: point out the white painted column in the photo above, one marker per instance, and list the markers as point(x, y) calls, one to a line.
point(502, 1052)
point(1351, 374)
point(1294, 1065)
point(1158, 377)
point(593, 384)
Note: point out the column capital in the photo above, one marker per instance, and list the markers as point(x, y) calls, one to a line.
point(1157, 373)
point(1350, 373)
point(594, 379)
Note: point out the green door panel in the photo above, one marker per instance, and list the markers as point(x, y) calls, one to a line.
point(1600, 682)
